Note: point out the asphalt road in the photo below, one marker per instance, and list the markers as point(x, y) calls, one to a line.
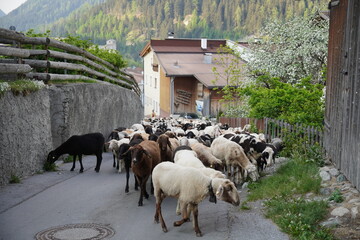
point(59, 198)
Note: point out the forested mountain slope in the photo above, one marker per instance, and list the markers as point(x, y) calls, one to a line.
point(34, 13)
point(133, 22)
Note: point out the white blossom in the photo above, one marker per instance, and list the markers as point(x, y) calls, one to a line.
point(292, 50)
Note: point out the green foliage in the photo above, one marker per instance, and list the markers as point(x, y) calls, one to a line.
point(298, 103)
point(297, 147)
point(14, 179)
point(77, 41)
point(298, 217)
point(336, 196)
point(112, 56)
point(32, 33)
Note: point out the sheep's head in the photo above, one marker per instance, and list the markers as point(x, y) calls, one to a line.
point(163, 142)
point(252, 172)
point(227, 192)
point(137, 153)
point(52, 157)
point(268, 155)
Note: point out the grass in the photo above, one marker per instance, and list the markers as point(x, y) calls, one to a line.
point(50, 167)
point(294, 177)
point(244, 206)
point(22, 86)
point(283, 193)
point(299, 218)
point(336, 196)
point(26, 86)
point(68, 159)
point(71, 81)
point(14, 179)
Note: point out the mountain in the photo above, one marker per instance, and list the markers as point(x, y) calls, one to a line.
point(133, 22)
point(2, 13)
point(34, 13)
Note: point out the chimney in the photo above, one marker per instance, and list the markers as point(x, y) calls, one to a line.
point(204, 43)
point(208, 58)
point(171, 34)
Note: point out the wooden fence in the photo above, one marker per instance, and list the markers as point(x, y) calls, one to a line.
point(278, 129)
point(46, 59)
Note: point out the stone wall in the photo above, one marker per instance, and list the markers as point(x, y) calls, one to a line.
point(33, 125)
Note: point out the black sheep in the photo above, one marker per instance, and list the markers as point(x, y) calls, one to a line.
point(77, 145)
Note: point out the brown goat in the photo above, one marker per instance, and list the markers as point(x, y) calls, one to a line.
point(144, 157)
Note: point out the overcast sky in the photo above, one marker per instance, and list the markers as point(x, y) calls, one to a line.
point(8, 5)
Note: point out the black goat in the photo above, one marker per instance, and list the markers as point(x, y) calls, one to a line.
point(77, 145)
point(124, 154)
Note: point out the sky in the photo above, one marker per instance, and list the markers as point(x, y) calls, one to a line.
point(8, 5)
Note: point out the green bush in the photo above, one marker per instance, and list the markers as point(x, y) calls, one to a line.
point(299, 103)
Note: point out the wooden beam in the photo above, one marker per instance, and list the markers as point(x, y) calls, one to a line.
point(14, 52)
point(14, 68)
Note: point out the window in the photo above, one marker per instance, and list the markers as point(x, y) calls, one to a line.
point(155, 83)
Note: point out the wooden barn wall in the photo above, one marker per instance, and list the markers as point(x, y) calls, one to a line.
point(342, 117)
point(182, 102)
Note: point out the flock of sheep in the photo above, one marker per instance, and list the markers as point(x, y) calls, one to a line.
point(186, 159)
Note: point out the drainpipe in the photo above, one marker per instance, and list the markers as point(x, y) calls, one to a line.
point(172, 95)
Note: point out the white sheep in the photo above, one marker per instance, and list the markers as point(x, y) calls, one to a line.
point(233, 155)
point(190, 186)
point(114, 146)
point(138, 127)
point(206, 157)
point(213, 131)
point(188, 158)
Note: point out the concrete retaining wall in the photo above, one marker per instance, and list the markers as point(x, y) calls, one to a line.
point(33, 125)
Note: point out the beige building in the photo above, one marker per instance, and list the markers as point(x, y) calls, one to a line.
point(178, 76)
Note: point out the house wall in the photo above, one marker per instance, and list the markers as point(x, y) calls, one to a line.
point(151, 85)
point(165, 102)
point(215, 105)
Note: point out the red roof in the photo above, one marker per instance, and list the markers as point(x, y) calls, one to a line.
point(175, 45)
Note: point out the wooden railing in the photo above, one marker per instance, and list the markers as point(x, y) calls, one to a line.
point(56, 60)
point(281, 129)
point(278, 129)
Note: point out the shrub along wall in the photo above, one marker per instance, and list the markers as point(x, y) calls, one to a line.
point(35, 124)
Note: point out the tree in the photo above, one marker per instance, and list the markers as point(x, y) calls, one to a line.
point(230, 69)
point(292, 50)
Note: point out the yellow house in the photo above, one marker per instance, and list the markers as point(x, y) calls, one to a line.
point(179, 77)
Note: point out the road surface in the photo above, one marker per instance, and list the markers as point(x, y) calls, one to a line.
point(57, 199)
